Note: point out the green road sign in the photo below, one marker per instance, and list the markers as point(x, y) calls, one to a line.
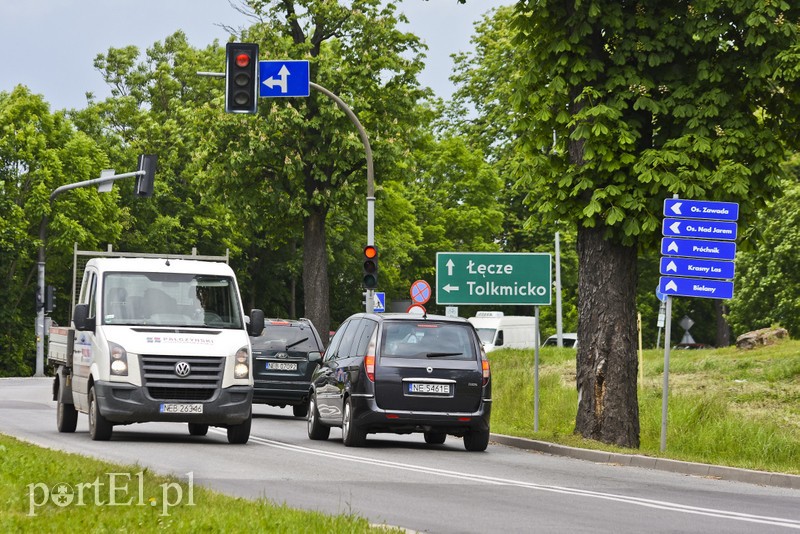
point(493, 278)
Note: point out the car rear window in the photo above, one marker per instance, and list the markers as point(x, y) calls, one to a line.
point(286, 337)
point(424, 339)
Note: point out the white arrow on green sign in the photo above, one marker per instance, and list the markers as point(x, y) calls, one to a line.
point(494, 278)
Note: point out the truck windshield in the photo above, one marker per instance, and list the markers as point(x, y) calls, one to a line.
point(170, 299)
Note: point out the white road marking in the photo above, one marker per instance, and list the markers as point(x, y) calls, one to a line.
point(638, 501)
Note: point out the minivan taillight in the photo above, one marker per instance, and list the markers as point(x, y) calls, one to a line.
point(486, 372)
point(369, 359)
point(369, 365)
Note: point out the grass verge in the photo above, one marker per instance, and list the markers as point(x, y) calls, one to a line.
point(726, 406)
point(42, 490)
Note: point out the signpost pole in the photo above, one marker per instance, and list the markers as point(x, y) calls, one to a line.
point(665, 387)
point(559, 325)
point(536, 371)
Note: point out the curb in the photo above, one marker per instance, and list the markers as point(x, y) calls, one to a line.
point(763, 478)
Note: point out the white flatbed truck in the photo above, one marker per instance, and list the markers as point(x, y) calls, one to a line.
point(155, 339)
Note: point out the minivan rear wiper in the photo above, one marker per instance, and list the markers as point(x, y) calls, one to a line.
point(296, 342)
point(442, 354)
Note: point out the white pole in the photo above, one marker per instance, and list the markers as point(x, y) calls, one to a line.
point(559, 324)
point(665, 387)
point(536, 372)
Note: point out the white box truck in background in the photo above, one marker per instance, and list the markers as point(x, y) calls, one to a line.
point(156, 339)
point(499, 331)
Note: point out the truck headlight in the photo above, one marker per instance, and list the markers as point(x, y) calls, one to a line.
point(119, 359)
point(242, 367)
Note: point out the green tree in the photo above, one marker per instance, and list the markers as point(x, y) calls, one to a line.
point(767, 278)
point(301, 162)
point(40, 151)
point(623, 104)
point(160, 105)
point(479, 111)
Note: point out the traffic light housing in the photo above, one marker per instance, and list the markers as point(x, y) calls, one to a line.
point(370, 280)
point(145, 182)
point(50, 299)
point(241, 77)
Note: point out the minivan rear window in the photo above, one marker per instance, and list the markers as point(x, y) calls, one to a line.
point(409, 339)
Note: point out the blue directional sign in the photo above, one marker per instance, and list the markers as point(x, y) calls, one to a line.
point(701, 209)
point(698, 248)
point(379, 305)
point(700, 229)
point(674, 286)
point(284, 78)
point(694, 267)
point(660, 296)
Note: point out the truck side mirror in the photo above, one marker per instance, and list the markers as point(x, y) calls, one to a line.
point(80, 316)
point(256, 325)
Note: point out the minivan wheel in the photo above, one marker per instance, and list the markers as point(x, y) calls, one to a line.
point(316, 430)
point(476, 440)
point(300, 410)
point(435, 438)
point(100, 428)
point(352, 434)
point(197, 429)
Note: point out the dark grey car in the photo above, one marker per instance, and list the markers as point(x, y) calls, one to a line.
point(403, 373)
point(284, 357)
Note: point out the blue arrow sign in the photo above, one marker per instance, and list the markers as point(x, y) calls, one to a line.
point(694, 287)
point(701, 209)
point(284, 78)
point(697, 248)
point(701, 229)
point(694, 267)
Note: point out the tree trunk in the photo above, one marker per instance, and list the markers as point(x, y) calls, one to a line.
point(316, 288)
point(723, 337)
point(607, 363)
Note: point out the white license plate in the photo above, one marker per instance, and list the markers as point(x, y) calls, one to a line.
point(181, 408)
point(433, 389)
point(281, 366)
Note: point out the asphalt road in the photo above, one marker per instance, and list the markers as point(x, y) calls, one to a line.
point(401, 481)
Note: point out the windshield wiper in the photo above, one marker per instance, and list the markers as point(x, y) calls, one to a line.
point(296, 342)
point(442, 354)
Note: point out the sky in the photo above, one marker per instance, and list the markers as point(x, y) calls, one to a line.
point(50, 45)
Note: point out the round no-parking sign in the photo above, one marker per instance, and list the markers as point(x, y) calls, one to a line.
point(420, 291)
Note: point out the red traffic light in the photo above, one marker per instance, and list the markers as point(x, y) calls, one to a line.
point(241, 78)
point(243, 60)
point(370, 267)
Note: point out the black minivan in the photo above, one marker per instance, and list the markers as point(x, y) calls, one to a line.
point(403, 373)
point(284, 357)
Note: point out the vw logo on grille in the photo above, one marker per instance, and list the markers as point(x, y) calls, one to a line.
point(429, 369)
point(182, 369)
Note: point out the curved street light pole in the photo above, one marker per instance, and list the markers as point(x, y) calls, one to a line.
point(40, 294)
point(370, 176)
